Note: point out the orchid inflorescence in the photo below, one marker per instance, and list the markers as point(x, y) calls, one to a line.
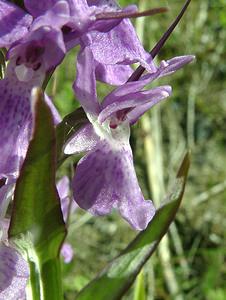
point(36, 39)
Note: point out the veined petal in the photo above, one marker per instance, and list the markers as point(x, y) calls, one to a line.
point(134, 115)
point(14, 273)
point(120, 46)
point(85, 83)
point(136, 211)
point(56, 16)
point(67, 205)
point(83, 140)
point(14, 23)
point(15, 124)
point(134, 100)
point(172, 65)
point(15, 119)
point(63, 187)
point(63, 191)
point(129, 88)
point(37, 8)
point(113, 74)
point(105, 178)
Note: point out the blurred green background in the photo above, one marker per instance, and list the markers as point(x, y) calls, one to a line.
point(190, 261)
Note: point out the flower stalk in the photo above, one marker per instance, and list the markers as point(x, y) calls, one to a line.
point(51, 281)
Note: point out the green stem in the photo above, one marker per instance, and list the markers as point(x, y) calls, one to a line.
point(50, 280)
point(33, 289)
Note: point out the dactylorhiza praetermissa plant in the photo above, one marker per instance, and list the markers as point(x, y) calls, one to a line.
point(14, 270)
point(37, 43)
point(105, 177)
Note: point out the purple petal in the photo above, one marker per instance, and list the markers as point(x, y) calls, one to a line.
point(15, 123)
point(136, 211)
point(113, 74)
point(56, 16)
point(63, 188)
point(14, 273)
point(110, 3)
point(106, 25)
point(172, 65)
point(37, 8)
point(134, 115)
point(63, 191)
point(133, 100)
point(83, 140)
point(14, 23)
point(120, 46)
point(129, 88)
point(67, 253)
point(15, 119)
point(85, 84)
point(105, 178)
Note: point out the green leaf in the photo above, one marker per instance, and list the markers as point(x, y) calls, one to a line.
point(37, 219)
point(64, 131)
point(139, 291)
point(113, 282)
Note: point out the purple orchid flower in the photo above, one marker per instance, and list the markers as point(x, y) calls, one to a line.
point(105, 177)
